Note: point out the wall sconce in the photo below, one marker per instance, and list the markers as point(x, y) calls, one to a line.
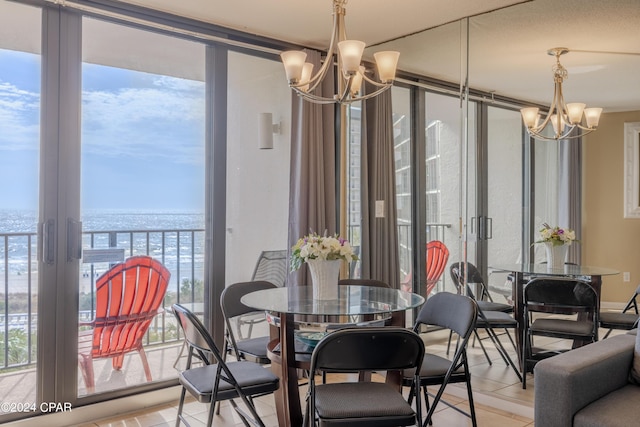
point(266, 129)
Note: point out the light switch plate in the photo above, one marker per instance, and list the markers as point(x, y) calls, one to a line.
point(379, 208)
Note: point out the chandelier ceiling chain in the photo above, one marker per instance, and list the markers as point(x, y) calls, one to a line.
point(351, 73)
point(564, 118)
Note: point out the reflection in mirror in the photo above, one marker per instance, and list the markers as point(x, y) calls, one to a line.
point(632, 170)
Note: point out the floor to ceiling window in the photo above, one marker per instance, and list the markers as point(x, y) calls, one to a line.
point(505, 196)
point(20, 56)
point(143, 133)
point(401, 99)
point(443, 176)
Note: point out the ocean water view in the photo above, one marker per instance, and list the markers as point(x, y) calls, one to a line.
point(175, 238)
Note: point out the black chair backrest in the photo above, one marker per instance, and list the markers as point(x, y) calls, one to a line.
point(272, 267)
point(364, 282)
point(458, 271)
point(195, 333)
point(368, 349)
point(231, 295)
point(560, 295)
point(455, 312)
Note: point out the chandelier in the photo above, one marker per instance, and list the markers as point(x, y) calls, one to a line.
point(351, 73)
point(564, 118)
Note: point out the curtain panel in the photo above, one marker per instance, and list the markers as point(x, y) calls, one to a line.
point(312, 186)
point(379, 254)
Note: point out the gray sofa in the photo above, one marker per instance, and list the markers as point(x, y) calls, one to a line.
point(588, 387)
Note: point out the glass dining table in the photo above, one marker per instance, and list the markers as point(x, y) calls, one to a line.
point(593, 275)
point(292, 306)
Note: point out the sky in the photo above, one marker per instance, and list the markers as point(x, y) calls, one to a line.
point(142, 137)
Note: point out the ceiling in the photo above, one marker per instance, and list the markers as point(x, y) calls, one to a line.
point(508, 39)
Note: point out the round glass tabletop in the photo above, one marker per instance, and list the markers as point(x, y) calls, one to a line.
point(352, 300)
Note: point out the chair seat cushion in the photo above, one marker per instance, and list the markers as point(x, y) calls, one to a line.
point(433, 366)
point(562, 327)
point(618, 320)
point(367, 401)
point(494, 306)
point(254, 349)
point(252, 378)
point(497, 319)
point(617, 409)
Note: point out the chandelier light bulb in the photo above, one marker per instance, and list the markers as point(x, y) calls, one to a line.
point(558, 122)
point(592, 115)
point(530, 116)
point(307, 69)
point(351, 55)
point(293, 61)
point(387, 62)
point(356, 83)
point(574, 111)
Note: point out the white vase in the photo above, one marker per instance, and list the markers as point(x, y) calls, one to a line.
point(556, 255)
point(324, 278)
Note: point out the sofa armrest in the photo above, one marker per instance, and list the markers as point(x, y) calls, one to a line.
point(566, 383)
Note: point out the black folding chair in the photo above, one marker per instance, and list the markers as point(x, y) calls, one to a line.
point(363, 403)
point(216, 380)
point(624, 320)
point(557, 296)
point(271, 267)
point(251, 349)
point(458, 314)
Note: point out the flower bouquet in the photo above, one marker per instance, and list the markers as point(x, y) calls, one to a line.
point(556, 236)
point(323, 255)
point(556, 240)
point(315, 246)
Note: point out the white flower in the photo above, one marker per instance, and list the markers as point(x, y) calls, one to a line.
point(556, 235)
point(324, 247)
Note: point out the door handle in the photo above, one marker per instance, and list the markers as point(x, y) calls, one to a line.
point(489, 228)
point(74, 239)
point(46, 253)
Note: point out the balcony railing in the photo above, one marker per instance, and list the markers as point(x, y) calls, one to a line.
point(181, 251)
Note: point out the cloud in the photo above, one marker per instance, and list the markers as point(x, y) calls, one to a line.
point(165, 120)
point(19, 118)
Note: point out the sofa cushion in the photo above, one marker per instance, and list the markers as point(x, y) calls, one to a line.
point(634, 374)
point(617, 409)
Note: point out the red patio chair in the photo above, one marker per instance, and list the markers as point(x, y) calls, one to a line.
point(128, 296)
point(437, 257)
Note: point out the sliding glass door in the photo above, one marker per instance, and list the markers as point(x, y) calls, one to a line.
point(20, 96)
point(142, 181)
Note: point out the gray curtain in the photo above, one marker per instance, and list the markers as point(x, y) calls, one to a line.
point(312, 187)
point(379, 251)
point(570, 191)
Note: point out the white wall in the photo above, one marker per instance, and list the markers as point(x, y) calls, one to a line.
point(257, 180)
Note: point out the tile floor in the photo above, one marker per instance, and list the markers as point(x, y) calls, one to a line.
point(500, 400)
point(498, 394)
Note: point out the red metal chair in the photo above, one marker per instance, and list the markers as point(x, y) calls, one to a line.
point(128, 297)
point(437, 257)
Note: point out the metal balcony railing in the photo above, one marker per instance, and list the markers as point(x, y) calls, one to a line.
point(181, 251)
